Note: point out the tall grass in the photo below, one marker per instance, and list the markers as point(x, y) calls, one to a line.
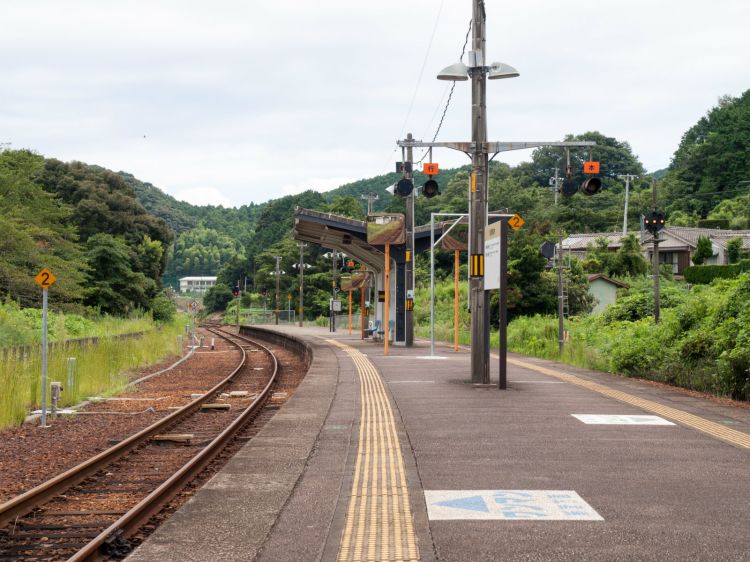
point(23, 326)
point(101, 369)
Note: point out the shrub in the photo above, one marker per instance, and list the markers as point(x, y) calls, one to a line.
point(163, 309)
point(704, 274)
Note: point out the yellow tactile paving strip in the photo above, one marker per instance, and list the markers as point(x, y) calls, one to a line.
point(708, 427)
point(378, 524)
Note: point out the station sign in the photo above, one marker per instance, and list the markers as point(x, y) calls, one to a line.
point(492, 241)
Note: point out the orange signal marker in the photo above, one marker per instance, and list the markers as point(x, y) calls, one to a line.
point(591, 167)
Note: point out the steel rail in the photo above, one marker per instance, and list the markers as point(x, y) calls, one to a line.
point(131, 521)
point(26, 502)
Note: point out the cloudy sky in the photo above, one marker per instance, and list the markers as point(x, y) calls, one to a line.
point(228, 102)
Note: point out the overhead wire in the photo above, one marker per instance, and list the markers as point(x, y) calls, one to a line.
point(421, 70)
point(421, 73)
point(450, 95)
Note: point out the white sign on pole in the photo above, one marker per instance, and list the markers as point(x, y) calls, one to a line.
point(492, 256)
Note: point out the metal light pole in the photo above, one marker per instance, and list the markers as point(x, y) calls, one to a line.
point(560, 298)
point(278, 279)
point(301, 266)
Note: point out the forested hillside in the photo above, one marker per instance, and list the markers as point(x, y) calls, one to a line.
point(85, 224)
point(709, 176)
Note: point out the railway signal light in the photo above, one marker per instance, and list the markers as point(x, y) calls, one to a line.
point(430, 188)
point(404, 187)
point(654, 222)
point(591, 186)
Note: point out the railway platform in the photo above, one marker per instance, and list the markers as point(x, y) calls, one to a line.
point(399, 457)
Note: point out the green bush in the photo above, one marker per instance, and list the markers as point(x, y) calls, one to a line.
point(714, 223)
point(704, 274)
point(163, 309)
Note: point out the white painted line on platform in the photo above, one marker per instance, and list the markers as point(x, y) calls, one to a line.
point(430, 357)
point(538, 382)
point(597, 419)
point(509, 505)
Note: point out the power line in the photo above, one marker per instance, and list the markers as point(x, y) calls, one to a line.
point(421, 70)
point(450, 95)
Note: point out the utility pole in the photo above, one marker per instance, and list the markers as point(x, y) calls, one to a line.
point(555, 181)
point(278, 279)
point(478, 298)
point(655, 238)
point(478, 149)
point(370, 198)
point(409, 265)
point(628, 178)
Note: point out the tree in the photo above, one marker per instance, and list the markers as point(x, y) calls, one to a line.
point(711, 160)
point(35, 232)
point(703, 250)
point(629, 260)
point(346, 206)
point(217, 298)
point(113, 287)
point(734, 250)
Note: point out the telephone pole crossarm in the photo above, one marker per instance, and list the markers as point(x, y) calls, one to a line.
point(492, 147)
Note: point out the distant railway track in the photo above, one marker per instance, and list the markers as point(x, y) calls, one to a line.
point(90, 511)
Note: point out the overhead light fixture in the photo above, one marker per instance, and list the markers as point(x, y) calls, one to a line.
point(500, 70)
point(457, 72)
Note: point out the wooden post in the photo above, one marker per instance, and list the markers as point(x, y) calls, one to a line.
point(350, 312)
point(387, 291)
point(456, 265)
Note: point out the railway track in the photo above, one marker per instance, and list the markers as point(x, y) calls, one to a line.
point(91, 511)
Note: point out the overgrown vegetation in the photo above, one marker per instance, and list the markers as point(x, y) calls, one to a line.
point(23, 326)
point(101, 369)
point(701, 343)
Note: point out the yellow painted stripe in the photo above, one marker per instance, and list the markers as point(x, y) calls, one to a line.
point(379, 525)
point(716, 430)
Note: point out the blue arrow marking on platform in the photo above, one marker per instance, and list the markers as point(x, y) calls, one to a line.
point(472, 503)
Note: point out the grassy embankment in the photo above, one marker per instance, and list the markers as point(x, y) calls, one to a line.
point(101, 369)
point(701, 343)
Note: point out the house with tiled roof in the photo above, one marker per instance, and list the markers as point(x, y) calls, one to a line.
point(675, 248)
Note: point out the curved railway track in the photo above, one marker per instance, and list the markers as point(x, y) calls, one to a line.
point(90, 511)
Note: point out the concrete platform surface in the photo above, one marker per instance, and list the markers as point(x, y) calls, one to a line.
point(399, 457)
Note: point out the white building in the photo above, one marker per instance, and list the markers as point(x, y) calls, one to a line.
point(196, 284)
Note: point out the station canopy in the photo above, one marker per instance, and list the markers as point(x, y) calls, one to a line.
point(350, 235)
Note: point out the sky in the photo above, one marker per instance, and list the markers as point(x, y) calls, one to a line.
point(232, 102)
